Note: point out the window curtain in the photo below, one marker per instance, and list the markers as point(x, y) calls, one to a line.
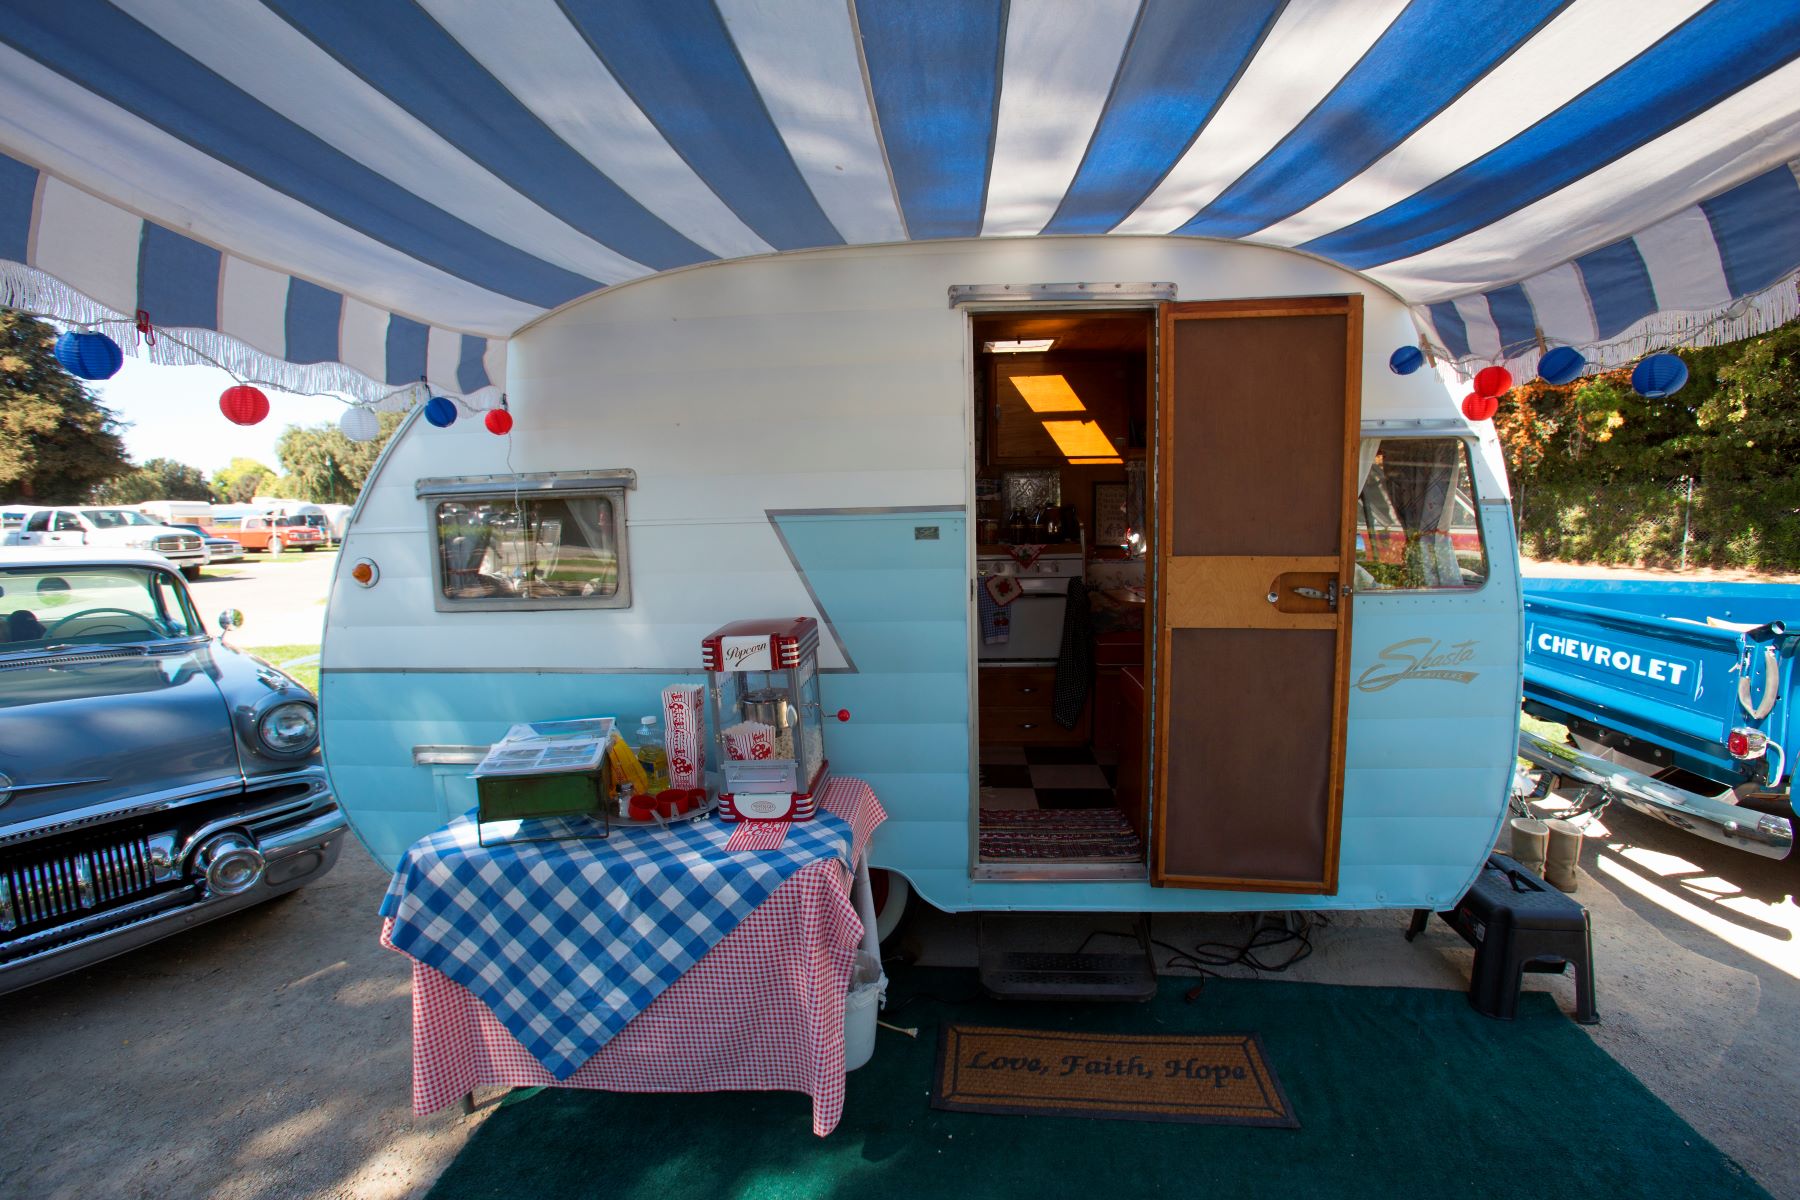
point(1421, 479)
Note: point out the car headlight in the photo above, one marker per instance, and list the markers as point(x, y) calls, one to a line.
point(288, 728)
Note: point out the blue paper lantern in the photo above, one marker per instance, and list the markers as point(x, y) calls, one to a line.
point(441, 411)
point(88, 355)
point(1562, 365)
point(1659, 375)
point(1406, 360)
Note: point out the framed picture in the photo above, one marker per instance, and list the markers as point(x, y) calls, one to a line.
point(1110, 524)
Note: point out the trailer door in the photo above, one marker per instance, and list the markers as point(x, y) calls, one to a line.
point(1256, 453)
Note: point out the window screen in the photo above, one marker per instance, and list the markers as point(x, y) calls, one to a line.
point(563, 550)
point(1417, 526)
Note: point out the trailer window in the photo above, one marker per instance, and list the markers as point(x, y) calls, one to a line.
point(531, 551)
point(1417, 526)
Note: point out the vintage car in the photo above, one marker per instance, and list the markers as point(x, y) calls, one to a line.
point(151, 776)
point(256, 530)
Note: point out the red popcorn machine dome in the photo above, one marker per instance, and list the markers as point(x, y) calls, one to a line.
point(767, 721)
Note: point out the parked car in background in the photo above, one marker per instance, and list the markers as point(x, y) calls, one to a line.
point(218, 549)
point(255, 530)
point(12, 516)
point(151, 776)
point(124, 528)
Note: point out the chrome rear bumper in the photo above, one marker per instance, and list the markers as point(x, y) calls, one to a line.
point(1716, 820)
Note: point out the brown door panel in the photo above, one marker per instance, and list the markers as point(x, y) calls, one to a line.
point(1256, 448)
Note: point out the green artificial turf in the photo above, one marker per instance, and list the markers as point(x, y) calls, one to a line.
point(1399, 1092)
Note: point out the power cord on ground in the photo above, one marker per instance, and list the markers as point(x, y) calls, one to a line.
point(1204, 958)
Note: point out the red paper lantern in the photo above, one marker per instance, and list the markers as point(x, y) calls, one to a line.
point(499, 421)
point(1478, 407)
point(243, 404)
point(1492, 381)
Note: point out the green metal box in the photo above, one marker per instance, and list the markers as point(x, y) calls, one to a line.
point(563, 794)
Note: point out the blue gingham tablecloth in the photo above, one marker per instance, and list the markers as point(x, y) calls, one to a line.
point(566, 941)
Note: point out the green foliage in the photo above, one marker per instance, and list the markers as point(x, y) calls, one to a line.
point(240, 482)
point(324, 466)
point(57, 443)
point(158, 479)
point(1601, 474)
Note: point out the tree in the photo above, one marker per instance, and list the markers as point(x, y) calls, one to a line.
point(326, 467)
point(239, 482)
point(158, 479)
point(56, 441)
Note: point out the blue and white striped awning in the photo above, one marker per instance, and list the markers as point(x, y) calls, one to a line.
point(377, 190)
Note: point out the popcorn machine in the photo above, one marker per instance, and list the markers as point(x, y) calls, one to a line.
point(769, 727)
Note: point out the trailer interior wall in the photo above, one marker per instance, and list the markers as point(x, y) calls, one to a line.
point(798, 424)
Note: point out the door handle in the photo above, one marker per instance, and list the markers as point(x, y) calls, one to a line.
point(1328, 593)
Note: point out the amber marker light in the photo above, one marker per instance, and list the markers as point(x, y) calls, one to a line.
point(365, 572)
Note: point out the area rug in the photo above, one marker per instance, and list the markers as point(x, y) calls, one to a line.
point(1059, 834)
point(1399, 1091)
point(1200, 1078)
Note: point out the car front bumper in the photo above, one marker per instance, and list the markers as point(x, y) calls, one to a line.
point(298, 839)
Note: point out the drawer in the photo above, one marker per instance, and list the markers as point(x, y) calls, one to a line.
point(1017, 687)
point(1027, 727)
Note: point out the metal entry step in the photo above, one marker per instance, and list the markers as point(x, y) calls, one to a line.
point(1008, 974)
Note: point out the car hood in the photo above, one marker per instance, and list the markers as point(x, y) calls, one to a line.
point(103, 729)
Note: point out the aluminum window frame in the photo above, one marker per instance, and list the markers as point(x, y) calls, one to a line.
point(1432, 431)
point(539, 485)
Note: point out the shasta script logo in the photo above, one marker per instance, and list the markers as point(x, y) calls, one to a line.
point(1418, 658)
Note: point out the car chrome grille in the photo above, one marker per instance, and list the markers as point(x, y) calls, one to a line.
point(185, 543)
point(36, 892)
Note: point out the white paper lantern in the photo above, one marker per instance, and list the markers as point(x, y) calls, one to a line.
point(359, 424)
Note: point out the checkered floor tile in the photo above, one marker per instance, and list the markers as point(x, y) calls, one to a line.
point(1015, 777)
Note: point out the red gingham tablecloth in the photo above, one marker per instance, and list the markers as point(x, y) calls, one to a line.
point(763, 1009)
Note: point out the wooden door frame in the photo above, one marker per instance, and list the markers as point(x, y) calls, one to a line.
point(1158, 646)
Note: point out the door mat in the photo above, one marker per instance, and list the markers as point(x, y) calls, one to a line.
point(1203, 1079)
point(1041, 834)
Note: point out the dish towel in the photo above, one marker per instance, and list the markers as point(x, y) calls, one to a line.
point(996, 622)
point(1075, 661)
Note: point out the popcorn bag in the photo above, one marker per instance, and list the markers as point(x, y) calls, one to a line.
point(748, 740)
point(684, 723)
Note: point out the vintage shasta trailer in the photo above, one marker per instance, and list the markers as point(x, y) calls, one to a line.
point(1329, 667)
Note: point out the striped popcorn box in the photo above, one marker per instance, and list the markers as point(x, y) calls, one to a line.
point(684, 725)
point(749, 740)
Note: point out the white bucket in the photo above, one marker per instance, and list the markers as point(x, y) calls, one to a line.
point(867, 985)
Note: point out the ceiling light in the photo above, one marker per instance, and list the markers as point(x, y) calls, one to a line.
point(1018, 346)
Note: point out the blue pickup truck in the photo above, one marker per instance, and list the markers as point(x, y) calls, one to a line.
point(1679, 698)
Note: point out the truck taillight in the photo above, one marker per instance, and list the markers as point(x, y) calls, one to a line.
point(1747, 743)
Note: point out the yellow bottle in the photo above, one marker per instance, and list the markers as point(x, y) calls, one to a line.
point(652, 755)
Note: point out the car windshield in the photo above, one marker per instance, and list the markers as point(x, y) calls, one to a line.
point(81, 606)
point(115, 518)
point(293, 522)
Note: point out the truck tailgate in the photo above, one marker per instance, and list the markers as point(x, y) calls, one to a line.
point(1665, 677)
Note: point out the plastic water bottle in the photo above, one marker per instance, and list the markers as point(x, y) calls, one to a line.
point(650, 751)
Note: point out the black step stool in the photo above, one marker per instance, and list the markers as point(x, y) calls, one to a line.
point(1518, 923)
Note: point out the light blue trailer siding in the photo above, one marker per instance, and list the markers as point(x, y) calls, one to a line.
point(1427, 763)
